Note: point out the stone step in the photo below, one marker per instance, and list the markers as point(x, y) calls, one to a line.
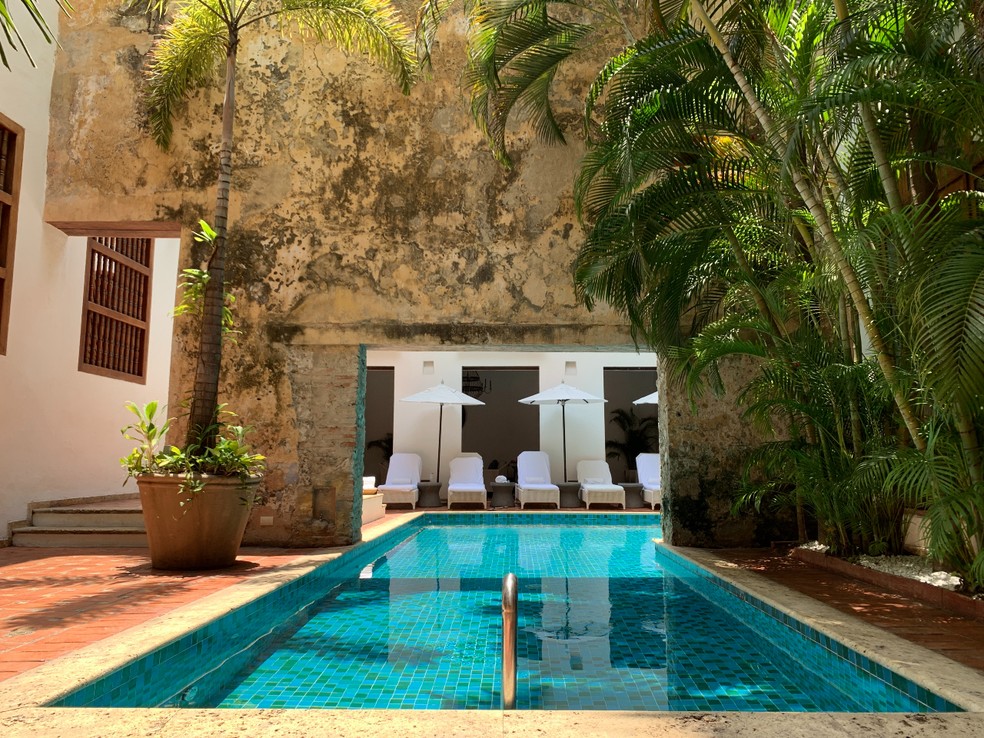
point(87, 517)
point(78, 537)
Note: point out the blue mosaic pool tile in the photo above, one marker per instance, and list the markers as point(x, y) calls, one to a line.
point(411, 621)
point(846, 671)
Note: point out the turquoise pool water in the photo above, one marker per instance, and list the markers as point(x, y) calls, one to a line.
point(608, 621)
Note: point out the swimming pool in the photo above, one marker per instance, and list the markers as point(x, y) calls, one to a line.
point(608, 620)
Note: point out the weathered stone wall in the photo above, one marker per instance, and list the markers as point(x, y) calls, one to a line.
point(316, 504)
point(703, 448)
point(359, 216)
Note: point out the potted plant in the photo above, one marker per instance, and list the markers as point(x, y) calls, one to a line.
point(196, 500)
point(202, 37)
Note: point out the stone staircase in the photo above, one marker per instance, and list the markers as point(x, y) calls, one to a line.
point(110, 523)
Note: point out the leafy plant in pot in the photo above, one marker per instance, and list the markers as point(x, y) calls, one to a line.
point(196, 500)
point(201, 38)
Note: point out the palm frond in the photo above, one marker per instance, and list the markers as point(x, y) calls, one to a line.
point(512, 63)
point(370, 27)
point(430, 15)
point(185, 58)
point(12, 35)
point(949, 322)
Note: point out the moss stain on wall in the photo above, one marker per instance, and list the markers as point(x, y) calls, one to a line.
point(359, 216)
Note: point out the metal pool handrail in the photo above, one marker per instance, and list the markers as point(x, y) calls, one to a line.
point(510, 613)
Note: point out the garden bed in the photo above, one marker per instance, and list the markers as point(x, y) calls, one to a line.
point(945, 599)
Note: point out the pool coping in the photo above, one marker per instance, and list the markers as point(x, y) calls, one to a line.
point(960, 684)
point(22, 697)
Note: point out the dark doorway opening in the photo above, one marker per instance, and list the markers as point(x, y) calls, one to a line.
point(379, 421)
point(501, 428)
point(629, 429)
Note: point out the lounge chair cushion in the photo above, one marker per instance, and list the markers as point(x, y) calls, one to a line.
point(596, 483)
point(466, 483)
point(533, 485)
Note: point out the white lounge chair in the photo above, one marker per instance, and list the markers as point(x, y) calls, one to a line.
point(595, 478)
point(533, 480)
point(648, 466)
point(402, 480)
point(466, 483)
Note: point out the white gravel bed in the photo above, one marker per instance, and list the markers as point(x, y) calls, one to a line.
point(911, 567)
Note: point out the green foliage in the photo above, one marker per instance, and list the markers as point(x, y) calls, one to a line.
point(11, 35)
point(231, 455)
point(204, 33)
point(193, 283)
point(937, 481)
point(787, 185)
point(149, 435)
point(517, 48)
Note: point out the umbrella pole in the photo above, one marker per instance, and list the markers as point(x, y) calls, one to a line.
point(440, 424)
point(563, 426)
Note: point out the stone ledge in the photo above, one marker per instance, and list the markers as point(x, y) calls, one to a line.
point(937, 596)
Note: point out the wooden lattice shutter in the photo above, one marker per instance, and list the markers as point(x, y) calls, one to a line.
point(11, 150)
point(115, 321)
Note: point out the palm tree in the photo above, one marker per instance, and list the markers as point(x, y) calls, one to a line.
point(11, 36)
point(766, 179)
point(716, 141)
point(203, 35)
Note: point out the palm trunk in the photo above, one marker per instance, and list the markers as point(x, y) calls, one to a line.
point(923, 190)
point(824, 228)
point(843, 319)
point(968, 439)
point(885, 171)
point(202, 427)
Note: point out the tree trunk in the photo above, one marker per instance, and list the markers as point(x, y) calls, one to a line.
point(967, 430)
point(824, 228)
point(202, 427)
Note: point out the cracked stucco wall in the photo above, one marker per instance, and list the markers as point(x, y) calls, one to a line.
point(359, 216)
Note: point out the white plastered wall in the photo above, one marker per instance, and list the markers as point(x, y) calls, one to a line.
point(415, 426)
point(59, 427)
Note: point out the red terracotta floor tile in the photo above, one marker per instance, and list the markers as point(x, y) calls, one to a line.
point(53, 601)
point(958, 637)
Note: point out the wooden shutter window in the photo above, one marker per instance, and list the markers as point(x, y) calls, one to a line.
point(11, 154)
point(116, 313)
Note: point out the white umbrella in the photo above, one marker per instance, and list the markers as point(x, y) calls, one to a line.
point(562, 394)
point(651, 399)
point(441, 394)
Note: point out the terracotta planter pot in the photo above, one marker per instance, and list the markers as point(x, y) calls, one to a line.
point(192, 531)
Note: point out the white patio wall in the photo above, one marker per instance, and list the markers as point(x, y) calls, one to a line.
point(415, 426)
point(60, 428)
